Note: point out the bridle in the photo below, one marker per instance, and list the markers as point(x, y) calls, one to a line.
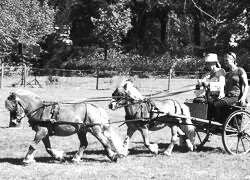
point(20, 116)
point(19, 112)
point(119, 99)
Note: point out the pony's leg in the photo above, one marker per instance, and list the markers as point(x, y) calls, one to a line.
point(130, 131)
point(58, 155)
point(145, 134)
point(97, 131)
point(184, 138)
point(174, 138)
point(40, 134)
point(83, 145)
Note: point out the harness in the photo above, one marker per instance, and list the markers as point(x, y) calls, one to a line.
point(177, 107)
point(53, 120)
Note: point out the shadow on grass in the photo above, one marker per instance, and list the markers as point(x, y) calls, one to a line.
point(211, 150)
point(181, 149)
point(14, 161)
point(19, 161)
point(137, 151)
point(68, 156)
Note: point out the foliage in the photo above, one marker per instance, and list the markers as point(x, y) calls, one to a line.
point(117, 34)
point(87, 58)
point(25, 22)
point(222, 22)
point(113, 23)
point(189, 63)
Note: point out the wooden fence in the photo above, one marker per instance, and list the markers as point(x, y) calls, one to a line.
point(33, 77)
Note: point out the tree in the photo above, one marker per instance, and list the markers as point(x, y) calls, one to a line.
point(218, 20)
point(113, 23)
point(24, 22)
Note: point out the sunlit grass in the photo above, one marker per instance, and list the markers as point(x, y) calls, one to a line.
point(210, 163)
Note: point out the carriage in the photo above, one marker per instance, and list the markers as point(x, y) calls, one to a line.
point(235, 131)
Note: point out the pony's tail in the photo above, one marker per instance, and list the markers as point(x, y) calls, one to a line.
point(115, 141)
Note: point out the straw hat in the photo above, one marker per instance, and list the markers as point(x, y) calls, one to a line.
point(211, 57)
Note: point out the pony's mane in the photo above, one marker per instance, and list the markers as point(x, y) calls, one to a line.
point(22, 92)
point(131, 90)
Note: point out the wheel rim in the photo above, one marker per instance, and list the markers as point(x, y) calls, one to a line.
point(236, 133)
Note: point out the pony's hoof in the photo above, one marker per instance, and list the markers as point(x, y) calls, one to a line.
point(195, 148)
point(62, 159)
point(28, 161)
point(75, 160)
point(154, 148)
point(167, 153)
point(190, 145)
point(124, 154)
point(114, 158)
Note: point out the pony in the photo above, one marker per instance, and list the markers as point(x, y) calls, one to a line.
point(62, 119)
point(143, 114)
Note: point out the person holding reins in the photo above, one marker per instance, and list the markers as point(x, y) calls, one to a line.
point(213, 81)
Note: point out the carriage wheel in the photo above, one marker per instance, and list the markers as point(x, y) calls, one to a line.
point(236, 133)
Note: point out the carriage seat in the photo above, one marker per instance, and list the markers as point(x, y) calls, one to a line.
point(237, 106)
point(200, 110)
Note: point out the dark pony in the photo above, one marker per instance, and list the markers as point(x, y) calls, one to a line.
point(141, 114)
point(62, 119)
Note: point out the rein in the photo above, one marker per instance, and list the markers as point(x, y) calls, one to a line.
point(126, 105)
point(44, 105)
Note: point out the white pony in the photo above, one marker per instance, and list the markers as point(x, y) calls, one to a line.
point(137, 107)
point(63, 119)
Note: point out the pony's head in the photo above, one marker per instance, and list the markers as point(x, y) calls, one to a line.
point(126, 91)
point(119, 98)
point(17, 104)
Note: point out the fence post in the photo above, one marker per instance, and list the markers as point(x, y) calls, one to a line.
point(2, 73)
point(169, 78)
point(24, 74)
point(97, 78)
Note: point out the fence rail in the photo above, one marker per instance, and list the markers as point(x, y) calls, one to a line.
point(35, 77)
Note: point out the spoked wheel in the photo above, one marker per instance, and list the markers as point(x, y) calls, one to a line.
point(236, 133)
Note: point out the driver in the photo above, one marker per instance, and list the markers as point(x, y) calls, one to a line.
point(214, 80)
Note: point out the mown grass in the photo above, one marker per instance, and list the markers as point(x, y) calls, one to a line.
point(211, 162)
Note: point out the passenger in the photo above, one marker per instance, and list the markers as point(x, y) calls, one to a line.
point(236, 88)
point(215, 79)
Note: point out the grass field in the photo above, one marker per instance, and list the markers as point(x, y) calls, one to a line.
point(210, 163)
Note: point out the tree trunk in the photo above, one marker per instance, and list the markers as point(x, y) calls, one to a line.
point(197, 32)
point(162, 15)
